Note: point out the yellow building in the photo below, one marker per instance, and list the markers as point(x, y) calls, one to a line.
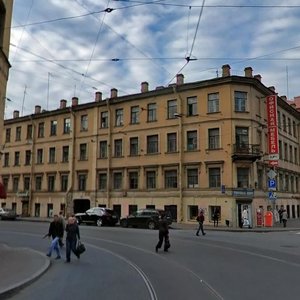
point(182, 147)
point(5, 21)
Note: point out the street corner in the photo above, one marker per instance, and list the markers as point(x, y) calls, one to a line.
point(19, 267)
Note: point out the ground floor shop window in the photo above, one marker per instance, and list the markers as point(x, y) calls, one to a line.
point(192, 212)
point(215, 213)
point(49, 210)
point(37, 209)
point(14, 206)
point(132, 208)
point(150, 206)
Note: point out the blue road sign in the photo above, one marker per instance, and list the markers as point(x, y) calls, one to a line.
point(272, 195)
point(272, 184)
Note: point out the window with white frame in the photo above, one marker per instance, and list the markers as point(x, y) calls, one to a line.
point(103, 149)
point(214, 138)
point(119, 117)
point(240, 101)
point(192, 178)
point(170, 179)
point(213, 102)
point(151, 112)
point(192, 106)
point(172, 109)
point(84, 123)
point(214, 177)
point(191, 138)
point(242, 177)
point(134, 117)
point(118, 147)
point(172, 142)
point(104, 119)
point(67, 125)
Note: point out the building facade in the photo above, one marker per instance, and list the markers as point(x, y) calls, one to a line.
point(181, 147)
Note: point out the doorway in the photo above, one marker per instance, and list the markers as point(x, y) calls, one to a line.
point(244, 215)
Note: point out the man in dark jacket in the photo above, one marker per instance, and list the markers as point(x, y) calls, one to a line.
point(163, 234)
point(56, 231)
point(71, 239)
point(200, 220)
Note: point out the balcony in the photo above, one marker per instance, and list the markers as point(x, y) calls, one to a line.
point(246, 152)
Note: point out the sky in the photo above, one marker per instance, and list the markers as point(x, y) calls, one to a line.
point(65, 48)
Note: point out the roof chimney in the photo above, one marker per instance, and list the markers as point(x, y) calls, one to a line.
point(272, 88)
point(144, 87)
point(258, 77)
point(74, 101)
point(248, 72)
point(16, 114)
point(63, 103)
point(179, 79)
point(225, 70)
point(37, 109)
point(113, 93)
point(98, 96)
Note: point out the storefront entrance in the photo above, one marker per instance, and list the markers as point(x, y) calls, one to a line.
point(244, 214)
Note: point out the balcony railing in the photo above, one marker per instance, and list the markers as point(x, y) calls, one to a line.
point(246, 152)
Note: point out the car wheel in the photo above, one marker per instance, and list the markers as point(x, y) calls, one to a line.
point(151, 225)
point(99, 222)
point(124, 223)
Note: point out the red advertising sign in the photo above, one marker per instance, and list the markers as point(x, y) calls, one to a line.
point(272, 130)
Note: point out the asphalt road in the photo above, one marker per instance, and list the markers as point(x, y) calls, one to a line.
point(122, 264)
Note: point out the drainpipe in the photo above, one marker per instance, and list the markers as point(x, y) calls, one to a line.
point(30, 204)
point(109, 155)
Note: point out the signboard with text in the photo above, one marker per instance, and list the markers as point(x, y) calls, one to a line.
point(272, 130)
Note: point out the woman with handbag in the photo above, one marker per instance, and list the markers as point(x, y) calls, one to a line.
point(72, 230)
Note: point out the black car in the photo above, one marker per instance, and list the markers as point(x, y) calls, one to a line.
point(99, 216)
point(147, 218)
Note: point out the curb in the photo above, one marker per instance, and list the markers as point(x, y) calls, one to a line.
point(6, 292)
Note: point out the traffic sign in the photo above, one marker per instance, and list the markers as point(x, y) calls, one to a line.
point(272, 184)
point(271, 174)
point(272, 195)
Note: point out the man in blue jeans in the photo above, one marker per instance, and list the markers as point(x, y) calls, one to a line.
point(56, 231)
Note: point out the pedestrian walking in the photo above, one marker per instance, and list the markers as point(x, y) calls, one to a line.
point(200, 220)
point(62, 220)
point(163, 234)
point(56, 231)
point(280, 211)
point(216, 217)
point(284, 217)
point(72, 230)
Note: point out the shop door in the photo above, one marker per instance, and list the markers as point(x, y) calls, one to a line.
point(244, 215)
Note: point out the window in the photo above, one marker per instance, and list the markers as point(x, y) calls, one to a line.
point(52, 155)
point(104, 119)
point(132, 208)
point(289, 126)
point(240, 100)
point(103, 149)
point(291, 153)
point(260, 179)
point(280, 149)
point(193, 212)
point(27, 157)
point(84, 123)
point(118, 148)
point(38, 183)
point(191, 140)
point(242, 177)
point(64, 182)
point(215, 210)
point(214, 177)
point(151, 179)
point(172, 109)
point(82, 182)
point(15, 184)
point(213, 102)
point(29, 132)
point(192, 106)
point(171, 142)
point(242, 137)
point(83, 152)
point(41, 130)
point(296, 156)
point(5, 181)
point(213, 138)
point(171, 179)
point(117, 180)
point(17, 158)
point(65, 153)
point(134, 118)
point(151, 110)
point(133, 180)
point(67, 125)
point(152, 144)
point(134, 146)
point(6, 160)
point(53, 127)
point(39, 156)
point(279, 119)
point(18, 133)
point(192, 178)
point(51, 183)
point(7, 135)
point(284, 122)
point(287, 183)
point(26, 184)
point(294, 129)
point(119, 117)
point(285, 151)
point(102, 181)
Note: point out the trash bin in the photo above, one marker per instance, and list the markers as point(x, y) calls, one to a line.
point(268, 219)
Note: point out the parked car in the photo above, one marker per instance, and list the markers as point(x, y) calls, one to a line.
point(147, 218)
point(99, 216)
point(7, 214)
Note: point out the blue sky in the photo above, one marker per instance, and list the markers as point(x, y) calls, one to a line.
point(73, 56)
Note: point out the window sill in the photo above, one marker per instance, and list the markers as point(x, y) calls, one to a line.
point(172, 152)
point(213, 112)
point(242, 111)
point(213, 149)
point(192, 150)
point(155, 153)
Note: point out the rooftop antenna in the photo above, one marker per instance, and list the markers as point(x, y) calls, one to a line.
point(24, 95)
point(48, 88)
point(287, 82)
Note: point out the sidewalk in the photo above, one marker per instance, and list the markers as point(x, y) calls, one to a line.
point(19, 266)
